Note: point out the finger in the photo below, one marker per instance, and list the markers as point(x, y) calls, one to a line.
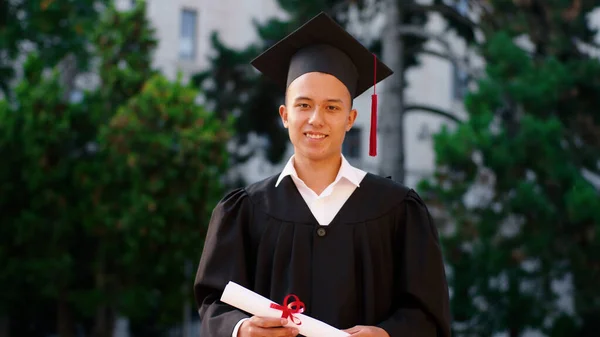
point(272, 332)
point(268, 322)
point(281, 332)
point(354, 330)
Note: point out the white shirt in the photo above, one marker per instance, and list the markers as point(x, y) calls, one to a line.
point(325, 206)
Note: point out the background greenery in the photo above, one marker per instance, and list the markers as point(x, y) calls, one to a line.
point(104, 200)
point(525, 155)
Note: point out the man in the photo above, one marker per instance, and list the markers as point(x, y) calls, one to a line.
point(359, 250)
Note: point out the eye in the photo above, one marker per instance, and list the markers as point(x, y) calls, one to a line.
point(333, 107)
point(302, 105)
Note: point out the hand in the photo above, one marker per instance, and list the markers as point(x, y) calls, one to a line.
point(266, 327)
point(366, 331)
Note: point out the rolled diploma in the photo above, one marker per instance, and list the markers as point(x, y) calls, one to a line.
point(257, 305)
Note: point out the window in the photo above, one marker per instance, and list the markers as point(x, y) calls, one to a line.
point(187, 39)
point(424, 134)
point(352, 142)
point(460, 83)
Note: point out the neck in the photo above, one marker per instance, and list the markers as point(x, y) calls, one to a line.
point(317, 175)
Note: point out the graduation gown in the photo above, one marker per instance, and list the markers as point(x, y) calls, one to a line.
point(378, 262)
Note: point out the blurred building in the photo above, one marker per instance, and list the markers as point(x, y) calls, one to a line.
point(183, 28)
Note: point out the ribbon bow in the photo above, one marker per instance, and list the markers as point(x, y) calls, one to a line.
point(290, 308)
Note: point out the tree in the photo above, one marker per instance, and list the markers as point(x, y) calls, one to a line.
point(105, 200)
point(39, 230)
point(53, 28)
point(516, 180)
point(401, 29)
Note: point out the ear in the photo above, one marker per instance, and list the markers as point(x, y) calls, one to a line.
point(351, 119)
point(284, 115)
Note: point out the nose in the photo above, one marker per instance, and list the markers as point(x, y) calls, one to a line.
point(316, 118)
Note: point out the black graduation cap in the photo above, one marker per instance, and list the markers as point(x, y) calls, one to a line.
point(322, 45)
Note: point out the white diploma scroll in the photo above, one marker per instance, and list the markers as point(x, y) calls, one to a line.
point(257, 305)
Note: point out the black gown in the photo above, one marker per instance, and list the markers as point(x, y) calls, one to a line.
point(378, 262)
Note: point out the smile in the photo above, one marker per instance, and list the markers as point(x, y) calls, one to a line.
point(315, 136)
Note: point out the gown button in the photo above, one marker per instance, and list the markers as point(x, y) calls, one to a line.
point(321, 232)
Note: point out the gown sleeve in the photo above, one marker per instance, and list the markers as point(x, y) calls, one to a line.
point(223, 260)
point(422, 298)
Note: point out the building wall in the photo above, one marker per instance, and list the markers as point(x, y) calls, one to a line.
point(232, 19)
point(432, 83)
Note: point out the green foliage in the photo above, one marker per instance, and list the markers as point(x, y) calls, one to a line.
point(165, 154)
point(125, 55)
point(105, 201)
point(40, 238)
point(511, 179)
point(55, 28)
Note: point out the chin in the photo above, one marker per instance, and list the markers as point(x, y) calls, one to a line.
point(317, 154)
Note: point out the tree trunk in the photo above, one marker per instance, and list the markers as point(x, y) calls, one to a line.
point(4, 326)
point(104, 321)
point(64, 319)
point(187, 319)
point(391, 152)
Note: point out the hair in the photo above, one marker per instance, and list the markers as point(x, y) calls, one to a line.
point(285, 99)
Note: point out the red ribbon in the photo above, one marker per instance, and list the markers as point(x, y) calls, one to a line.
point(290, 308)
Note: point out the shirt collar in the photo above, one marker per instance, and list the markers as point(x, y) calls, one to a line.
point(347, 171)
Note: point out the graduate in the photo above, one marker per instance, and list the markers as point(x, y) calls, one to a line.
point(360, 251)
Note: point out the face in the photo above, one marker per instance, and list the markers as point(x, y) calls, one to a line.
point(318, 113)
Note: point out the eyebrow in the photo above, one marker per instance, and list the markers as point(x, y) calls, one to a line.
point(302, 98)
point(331, 100)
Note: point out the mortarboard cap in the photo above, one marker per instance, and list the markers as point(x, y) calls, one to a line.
point(322, 45)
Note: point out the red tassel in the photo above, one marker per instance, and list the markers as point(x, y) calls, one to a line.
point(373, 136)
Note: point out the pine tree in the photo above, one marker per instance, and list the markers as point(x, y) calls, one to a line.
point(516, 178)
